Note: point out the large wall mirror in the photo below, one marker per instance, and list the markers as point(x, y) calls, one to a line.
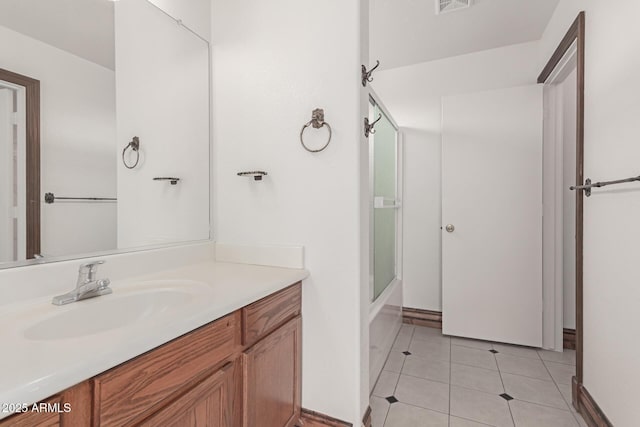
point(104, 129)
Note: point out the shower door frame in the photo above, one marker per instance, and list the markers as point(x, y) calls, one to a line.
point(374, 100)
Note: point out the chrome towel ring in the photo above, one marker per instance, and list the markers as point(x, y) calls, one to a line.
point(317, 121)
point(135, 146)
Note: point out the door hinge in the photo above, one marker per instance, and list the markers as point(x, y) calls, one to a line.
point(14, 118)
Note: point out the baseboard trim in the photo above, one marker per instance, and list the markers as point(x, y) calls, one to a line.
point(569, 339)
point(316, 419)
point(428, 318)
point(366, 420)
point(587, 407)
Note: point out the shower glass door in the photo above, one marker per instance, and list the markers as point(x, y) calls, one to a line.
point(383, 154)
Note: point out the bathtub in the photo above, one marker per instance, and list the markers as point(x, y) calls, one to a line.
point(385, 320)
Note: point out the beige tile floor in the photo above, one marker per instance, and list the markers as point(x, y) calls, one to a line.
point(434, 380)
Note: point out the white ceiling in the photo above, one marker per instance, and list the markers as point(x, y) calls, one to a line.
point(82, 27)
point(405, 32)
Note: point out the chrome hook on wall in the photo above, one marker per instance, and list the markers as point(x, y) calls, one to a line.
point(369, 127)
point(367, 75)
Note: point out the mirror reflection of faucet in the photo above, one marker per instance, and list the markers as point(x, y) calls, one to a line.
point(87, 285)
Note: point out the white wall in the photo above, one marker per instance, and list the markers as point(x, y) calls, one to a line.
point(162, 88)
point(274, 62)
point(77, 134)
point(195, 14)
point(611, 229)
point(412, 94)
point(365, 223)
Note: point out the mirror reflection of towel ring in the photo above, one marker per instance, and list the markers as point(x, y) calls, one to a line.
point(317, 121)
point(135, 146)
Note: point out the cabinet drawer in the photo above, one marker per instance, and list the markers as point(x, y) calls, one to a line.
point(264, 316)
point(129, 392)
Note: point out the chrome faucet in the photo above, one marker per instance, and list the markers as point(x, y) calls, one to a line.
point(87, 285)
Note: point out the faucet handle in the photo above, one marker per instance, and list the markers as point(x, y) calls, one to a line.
point(90, 269)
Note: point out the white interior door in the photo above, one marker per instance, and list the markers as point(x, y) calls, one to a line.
point(7, 211)
point(492, 198)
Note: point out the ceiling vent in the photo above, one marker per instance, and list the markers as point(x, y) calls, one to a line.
point(444, 6)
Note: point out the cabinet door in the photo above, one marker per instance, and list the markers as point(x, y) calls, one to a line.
point(32, 419)
point(272, 378)
point(208, 404)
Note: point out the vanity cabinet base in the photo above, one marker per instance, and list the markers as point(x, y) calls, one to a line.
point(215, 376)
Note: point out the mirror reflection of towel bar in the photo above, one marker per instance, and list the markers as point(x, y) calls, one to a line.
point(51, 198)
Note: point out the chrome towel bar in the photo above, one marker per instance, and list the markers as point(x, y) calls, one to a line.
point(588, 185)
point(51, 198)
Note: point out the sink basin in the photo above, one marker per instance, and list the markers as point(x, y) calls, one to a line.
point(143, 301)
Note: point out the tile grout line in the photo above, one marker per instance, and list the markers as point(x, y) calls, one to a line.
point(569, 407)
point(503, 387)
point(421, 407)
point(413, 331)
point(572, 410)
point(473, 421)
point(450, 365)
point(554, 361)
point(421, 378)
point(394, 341)
point(479, 367)
point(488, 393)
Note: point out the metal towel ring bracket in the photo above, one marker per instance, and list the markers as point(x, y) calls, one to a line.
point(135, 146)
point(317, 121)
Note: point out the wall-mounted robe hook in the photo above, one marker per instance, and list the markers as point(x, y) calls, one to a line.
point(367, 75)
point(369, 127)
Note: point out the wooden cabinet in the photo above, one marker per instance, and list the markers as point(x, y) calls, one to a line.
point(36, 418)
point(267, 314)
point(128, 393)
point(208, 404)
point(242, 370)
point(272, 378)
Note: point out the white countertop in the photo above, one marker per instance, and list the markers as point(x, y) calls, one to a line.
point(34, 370)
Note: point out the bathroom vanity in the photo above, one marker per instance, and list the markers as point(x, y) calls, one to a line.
point(242, 369)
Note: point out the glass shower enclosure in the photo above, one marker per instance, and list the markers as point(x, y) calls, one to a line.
point(383, 159)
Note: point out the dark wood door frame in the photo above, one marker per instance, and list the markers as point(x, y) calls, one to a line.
point(575, 34)
point(32, 87)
